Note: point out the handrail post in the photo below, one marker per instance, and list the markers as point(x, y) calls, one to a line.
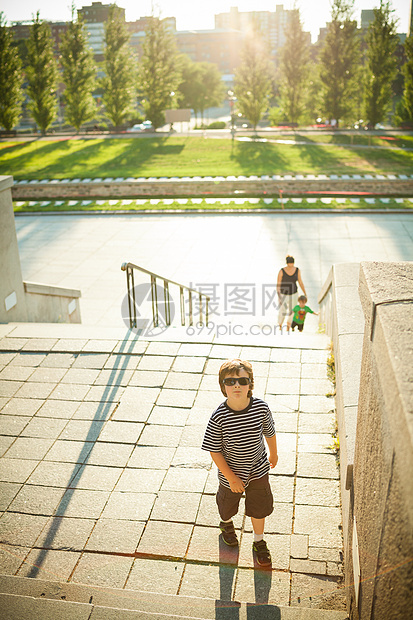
point(206, 311)
point(130, 280)
point(154, 296)
point(191, 320)
point(200, 308)
point(167, 302)
point(182, 304)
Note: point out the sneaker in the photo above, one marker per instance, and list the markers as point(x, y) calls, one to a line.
point(262, 554)
point(228, 533)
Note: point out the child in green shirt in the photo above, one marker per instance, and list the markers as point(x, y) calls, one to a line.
point(297, 316)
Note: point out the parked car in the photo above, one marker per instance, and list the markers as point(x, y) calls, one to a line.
point(145, 126)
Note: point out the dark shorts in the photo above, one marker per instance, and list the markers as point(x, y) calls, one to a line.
point(299, 325)
point(258, 500)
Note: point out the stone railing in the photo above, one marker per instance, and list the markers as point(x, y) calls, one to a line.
point(275, 185)
point(367, 310)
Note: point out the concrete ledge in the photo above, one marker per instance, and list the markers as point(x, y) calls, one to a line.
point(48, 289)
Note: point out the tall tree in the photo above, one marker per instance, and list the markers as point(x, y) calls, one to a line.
point(159, 74)
point(201, 85)
point(119, 67)
point(407, 99)
point(382, 41)
point(294, 68)
point(79, 74)
point(339, 59)
point(11, 78)
point(253, 79)
point(42, 75)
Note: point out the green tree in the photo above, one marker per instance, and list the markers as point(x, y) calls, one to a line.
point(294, 69)
point(201, 86)
point(79, 74)
point(11, 78)
point(407, 99)
point(253, 79)
point(339, 62)
point(159, 74)
point(382, 41)
point(119, 67)
point(42, 75)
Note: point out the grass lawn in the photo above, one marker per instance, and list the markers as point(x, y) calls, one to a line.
point(174, 156)
point(211, 204)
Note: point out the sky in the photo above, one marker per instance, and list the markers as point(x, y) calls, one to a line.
point(199, 16)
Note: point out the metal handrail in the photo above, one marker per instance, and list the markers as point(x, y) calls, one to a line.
point(130, 280)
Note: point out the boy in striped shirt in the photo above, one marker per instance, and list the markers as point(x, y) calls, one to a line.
point(235, 438)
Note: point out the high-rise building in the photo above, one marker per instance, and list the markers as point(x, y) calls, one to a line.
point(97, 12)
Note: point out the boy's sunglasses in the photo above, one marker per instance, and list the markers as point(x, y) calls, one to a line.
point(233, 380)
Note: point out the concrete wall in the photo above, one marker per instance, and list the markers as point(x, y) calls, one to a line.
point(24, 301)
point(368, 313)
point(261, 186)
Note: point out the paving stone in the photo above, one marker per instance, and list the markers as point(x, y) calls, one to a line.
point(58, 360)
point(99, 346)
point(9, 388)
point(44, 427)
point(29, 447)
point(176, 398)
point(13, 425)
point(115, 536)
point(133, 412)
point(308, 566)
point(278, 544)
point(315, 386)
point(317, 466)
point(8, 491)
point(206, 579)
point(212, 367)
point(35, 390)
point(82, 376)
point(156, 362)
point(315, 442)
point(198, 416)
point(6, 358)
point(114, 377)
point(165, 539)
point(286, 465)
point(321, 523)
point(163, 348)
point(5, 443)
point(125, 505)
point(299, 546)
point(283, 385)
point(286, 370)
point(36, 500)
point(318, 592)
point(16, 373)
point(285, 355)
point(185, 479)
point(142, 480)
point(108, 571)
point(278, 522)
point(46, 375)
point(283, 403)
point(160, 435)
point(91, 360)
point(263, 587)
point(16, 470)
point(192, 436)
point(49, 473)
point(316, 404)
point(82, 503)
point(317, 422)
point(121, 432)
point(122, 362)
point(314, 356)
point(70, 392)
point(28, 359)
point(104, 393)
point(210, 383)
point(68, 344)
point(69, 451)
point(148, 574)
point(208, 399)
point(191, 457)
point(149, 457)
point(42, 564)
point(94, 477)
point(182, 381)
point(169, 416)
point(39, 344)
point(110, 454)
point(94, 411)
point(317, 492)
point(140, 395)
point(316, 371)
point(258, 354)
point(148, 378)
point(189, 364)
point(20, 529)
point(194, 350)
point(176, 506)
point(11, 558)
point(282, 488)
point(22, 406)
point(82, 430)
point(51, 408)
point(285, 422)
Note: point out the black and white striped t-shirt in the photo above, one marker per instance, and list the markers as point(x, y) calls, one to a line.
point(239, 436)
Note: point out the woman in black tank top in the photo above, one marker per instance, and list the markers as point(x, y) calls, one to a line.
point(287, 289)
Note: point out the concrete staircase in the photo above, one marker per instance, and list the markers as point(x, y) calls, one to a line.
point(22, 598)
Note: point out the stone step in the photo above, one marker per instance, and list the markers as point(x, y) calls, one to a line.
point(22, 598)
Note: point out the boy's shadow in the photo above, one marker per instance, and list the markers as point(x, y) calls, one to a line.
point(225, 607)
